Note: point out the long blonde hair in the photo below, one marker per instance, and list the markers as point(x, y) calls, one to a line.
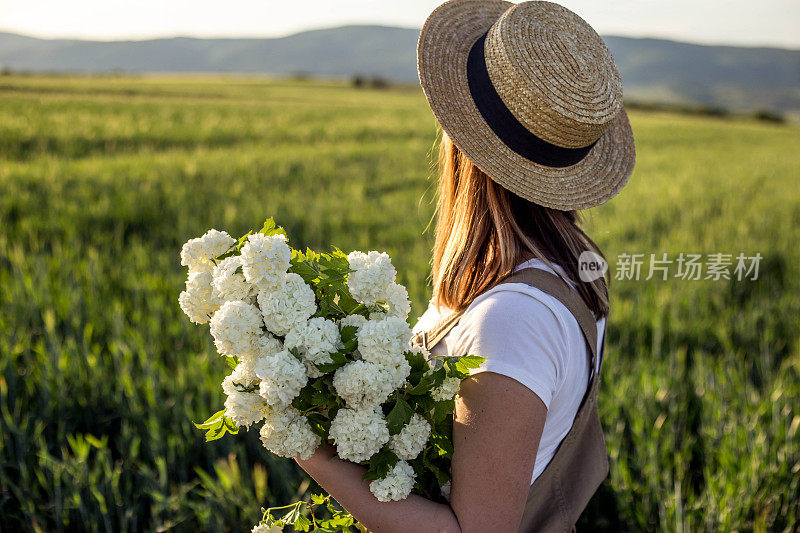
point(483, 231)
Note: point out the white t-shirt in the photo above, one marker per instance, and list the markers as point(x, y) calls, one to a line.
point(529, 336)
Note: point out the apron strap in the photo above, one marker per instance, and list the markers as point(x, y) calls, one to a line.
point(564, 293)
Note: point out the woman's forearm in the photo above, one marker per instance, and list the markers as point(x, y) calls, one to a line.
point(342, 480)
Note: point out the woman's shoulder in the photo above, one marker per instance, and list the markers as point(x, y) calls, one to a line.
point(522, 335)
point(520, 300)
point(516, 312)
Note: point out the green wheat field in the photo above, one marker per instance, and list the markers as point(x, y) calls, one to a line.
point(103, 179)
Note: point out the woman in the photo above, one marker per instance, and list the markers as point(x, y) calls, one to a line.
point(530, 101)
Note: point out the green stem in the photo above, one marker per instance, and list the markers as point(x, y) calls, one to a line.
point(295, 504)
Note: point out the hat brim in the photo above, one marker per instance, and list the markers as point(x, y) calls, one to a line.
point(442, 51)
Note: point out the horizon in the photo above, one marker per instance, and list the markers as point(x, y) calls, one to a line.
point(345, 25)
point(772, 23)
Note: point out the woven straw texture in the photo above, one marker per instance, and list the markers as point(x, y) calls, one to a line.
point(556, 76)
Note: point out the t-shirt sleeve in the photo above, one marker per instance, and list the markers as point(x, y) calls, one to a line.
point(520, 337)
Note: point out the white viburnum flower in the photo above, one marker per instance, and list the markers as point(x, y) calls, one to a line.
point(286, 305)
point(264, 528)
point(446, 491)
point(198, 300)
point(399, 373)
point(358, 433)
point(370, 277)
point(282, 377)
point(396, 485)
point(229, 283)
point(243, 407)
point(198, 254)
point(364, 385)
point(415, 348)
point(242, 376)
point(353, 320)
point(315, 340)
point(397, 302)
point(265, 260)
point(378, 315)
point(286, 433)
point(263, 346)
point(236, 327)
point(312, 371)
point(384, 341)
point(447, 390)
point(408, 444)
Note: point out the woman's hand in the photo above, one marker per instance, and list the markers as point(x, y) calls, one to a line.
point(498, 424)
point(343, 480)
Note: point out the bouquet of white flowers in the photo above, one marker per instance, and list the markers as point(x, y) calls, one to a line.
point(319, 348)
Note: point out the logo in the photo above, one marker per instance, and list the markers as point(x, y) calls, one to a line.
point(591, 266)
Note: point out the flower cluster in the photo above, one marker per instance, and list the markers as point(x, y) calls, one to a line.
point(320, 352)
point(411, 440)
point(244, 406)
point(395, 486)
point(287, 433)
point(358, 433)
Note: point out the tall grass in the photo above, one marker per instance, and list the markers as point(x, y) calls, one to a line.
point(102, 180)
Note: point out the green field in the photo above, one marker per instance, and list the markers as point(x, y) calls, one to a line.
point(103, 179)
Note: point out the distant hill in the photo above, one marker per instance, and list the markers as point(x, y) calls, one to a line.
point(736, 78)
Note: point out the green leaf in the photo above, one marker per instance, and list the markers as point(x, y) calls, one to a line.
point(424, 386)
point(336, 260)
point(342, 521)
point(339, 360)
point(438, 377)
point(417, 361)
point(213, 421)
point(319, 424)
point(302, 264)
point(303, 401)
point(429, 381)
point(217, 425)
point(296, 353)
point(242, 240)
point(441, 474)
point(302, 524)
point(399, 416)
point(345, 301)
point(465, 363)
point(380, 465)
point(422, 404)
point(442, 444)
point(215, 433)
point(270, 228)
point(318, 499)
point(454, 371)
point(442, 409)
point(321, 399)
point(230, 425)
point(471, 361)
point(332, 508)
point(349, 336)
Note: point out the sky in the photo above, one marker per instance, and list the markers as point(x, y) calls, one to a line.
point(737, 22)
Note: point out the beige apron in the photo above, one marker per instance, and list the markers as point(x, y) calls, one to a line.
point(559, 495)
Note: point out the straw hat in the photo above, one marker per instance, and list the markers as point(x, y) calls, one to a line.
point(531, 95)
